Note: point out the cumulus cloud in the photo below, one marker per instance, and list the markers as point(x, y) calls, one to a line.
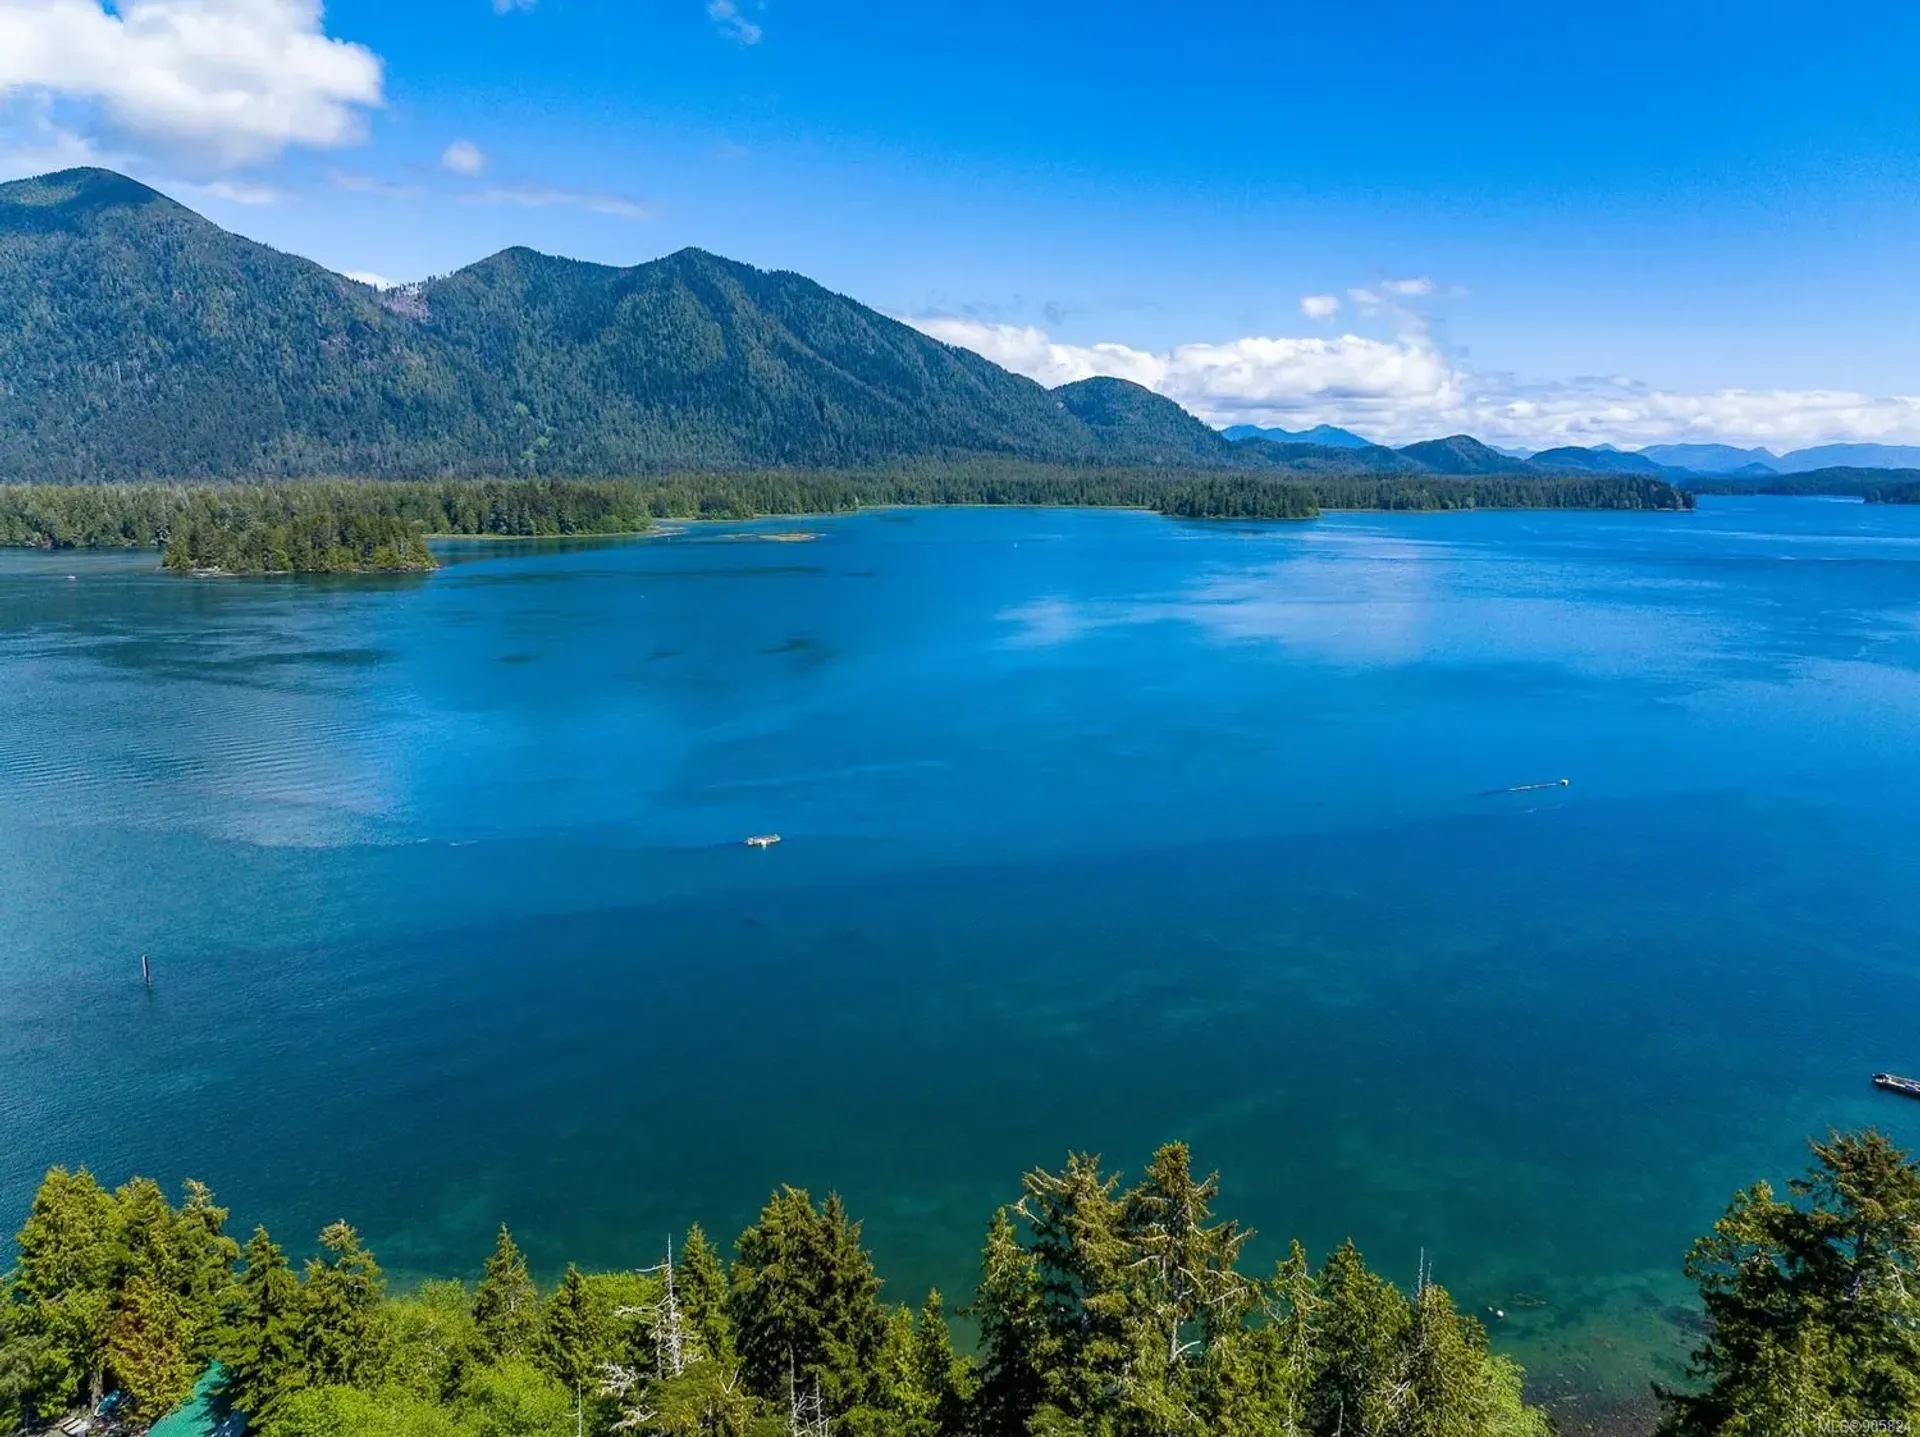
point(463, 157)
point(1319, 306)
point(235, 192)
point(539, 196)
point(1402, 389)
point(1255, 379)
point(219, 82)
point(735, 26)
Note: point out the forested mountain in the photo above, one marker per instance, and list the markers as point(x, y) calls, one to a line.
point(138, 340)
point(1131, 420)
point(1597, 461)
point(1460, 454)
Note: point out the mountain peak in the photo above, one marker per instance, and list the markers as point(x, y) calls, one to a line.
point(69, 197)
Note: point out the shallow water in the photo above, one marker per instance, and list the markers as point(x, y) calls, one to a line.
point(1101, 829)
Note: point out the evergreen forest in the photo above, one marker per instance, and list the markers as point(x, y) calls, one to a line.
point(314, 526)
point(1102, 1309)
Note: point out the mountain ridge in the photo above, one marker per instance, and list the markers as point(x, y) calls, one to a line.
point(141, 341)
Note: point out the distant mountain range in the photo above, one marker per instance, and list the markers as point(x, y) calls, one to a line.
point(1323, 434)
point(1676, 460)
point(139, 340)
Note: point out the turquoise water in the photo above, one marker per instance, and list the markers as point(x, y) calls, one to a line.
point(1101, 829)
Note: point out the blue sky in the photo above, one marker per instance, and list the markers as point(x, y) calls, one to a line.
point(1626, 222)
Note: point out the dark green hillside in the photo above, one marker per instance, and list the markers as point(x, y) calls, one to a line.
point(1329, 458)
point(1460, 454)
point(140, 341)
point(1876, 486)
point(694, 361)
point(1130, 418)
point(1596, 461)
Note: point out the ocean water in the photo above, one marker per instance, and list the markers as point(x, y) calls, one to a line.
point(1101, 830)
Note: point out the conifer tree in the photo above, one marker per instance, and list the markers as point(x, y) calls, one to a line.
point(149, 1349)
point(703, 1296)
point(1449, 1386)
point(68, 1256)
point(1363, 1324)
point(1813, 1302)
point(805, 1303)
point(506, 1305)
point(575, 1333)
point(945, 1379)
point(340, 1330)
point(1016, 1343)
point(261, 1346)
point(1080, 1250)
point(206, 1257)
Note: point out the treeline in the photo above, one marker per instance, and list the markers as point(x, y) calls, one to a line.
point(1101, 1311)
point(1876, 486)
point(319, 526)
point(308, 526)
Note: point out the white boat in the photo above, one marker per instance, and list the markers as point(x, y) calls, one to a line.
point(763, 840)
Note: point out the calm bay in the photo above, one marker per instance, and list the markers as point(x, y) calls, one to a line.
point(1099, 830)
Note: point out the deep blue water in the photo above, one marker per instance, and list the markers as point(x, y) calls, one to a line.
point(1101, 829)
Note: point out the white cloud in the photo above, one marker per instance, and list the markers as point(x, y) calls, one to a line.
point(1408, 288)
point(1402, 389)
point(217, 82)
point(1255, 379)
point(367, 276)
point(357, 183)
point(235, 192)
point(463, 157)
point(538, 196)
point(735, 26)
point(1319, 306)
point(507, 7)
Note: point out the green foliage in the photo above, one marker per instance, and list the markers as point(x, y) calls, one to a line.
point(119, 1286)
point(1123, 1313)
point(1103, 1310)
point(574, 1332)
point(1876, 486)
point(148, 1347)
point(1812, 1300)
point(506, 1305)
point(339, 1325)
point(261, 1343)
point(515, 1399)
point(350, 1412)
point(434, 1341)
point(805, 1303)
point(341, 526)
point(703, 1294)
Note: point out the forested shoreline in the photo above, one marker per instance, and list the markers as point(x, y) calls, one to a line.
point(1102, 1310)
point(313, 526)
point(1875, 486)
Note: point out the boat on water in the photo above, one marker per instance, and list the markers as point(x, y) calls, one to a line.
point(1893, 1084)
point(763, 840)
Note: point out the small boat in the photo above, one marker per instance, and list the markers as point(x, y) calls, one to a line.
point(763, 840)
point(1909, 1086)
